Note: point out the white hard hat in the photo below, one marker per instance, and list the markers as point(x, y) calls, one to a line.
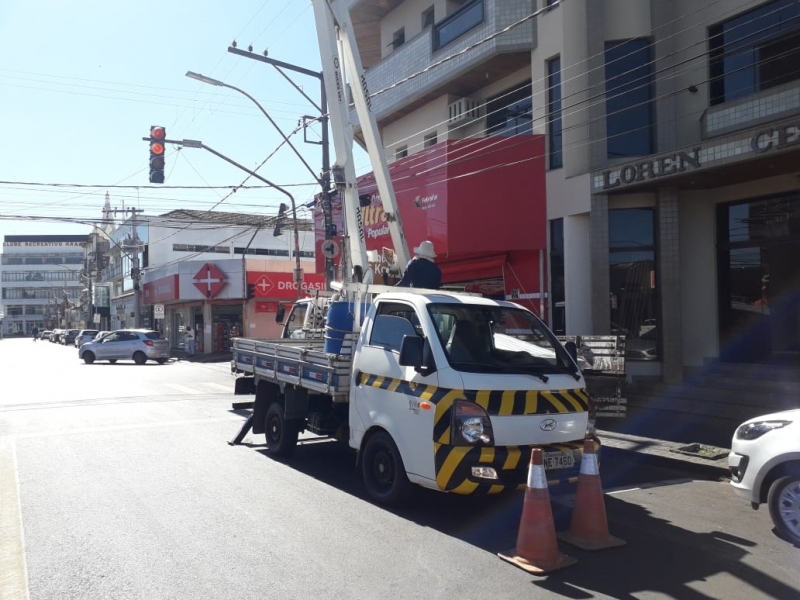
point(425, 250)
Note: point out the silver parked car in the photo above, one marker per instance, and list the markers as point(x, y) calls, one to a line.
point(138, 345)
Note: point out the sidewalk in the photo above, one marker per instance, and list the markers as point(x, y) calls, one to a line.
point(710, 460)
point(214, 357)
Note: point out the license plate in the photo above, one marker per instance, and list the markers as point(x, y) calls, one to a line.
point(558, 460)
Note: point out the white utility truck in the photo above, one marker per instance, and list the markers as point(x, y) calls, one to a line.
point(446, 390)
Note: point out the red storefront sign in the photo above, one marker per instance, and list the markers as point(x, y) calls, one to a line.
point(469, 197)
point(282, 285)
point(161, 290)
point(209, 280)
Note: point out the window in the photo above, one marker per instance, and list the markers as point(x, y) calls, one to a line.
point(401, 152)
point(399, 38)
point(427, 17)
point(629, 98)
point(557, 291)
point(754, 51)
point(199, 248)
point(554, 132)
point(393, 322)
point(430, 140)
point(469, 16)
point(510, 113)
point(757, 272)
point(633, 299)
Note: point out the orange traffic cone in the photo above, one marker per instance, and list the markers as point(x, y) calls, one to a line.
point(588, 528)
point(537, 547)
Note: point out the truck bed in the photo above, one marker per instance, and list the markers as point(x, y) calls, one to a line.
point(302, 362)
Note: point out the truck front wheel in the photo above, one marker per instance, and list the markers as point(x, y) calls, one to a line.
point(281, 433)
point(383, 470)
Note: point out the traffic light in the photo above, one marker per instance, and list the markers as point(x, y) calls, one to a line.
point(251, 291)
point(279, 219)
point(158, 137)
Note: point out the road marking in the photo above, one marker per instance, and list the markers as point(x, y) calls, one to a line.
point(13, 566)
point(220, 387)
point(61, 432)
point(184, 389)
point(568, 500)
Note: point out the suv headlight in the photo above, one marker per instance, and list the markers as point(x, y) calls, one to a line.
point(471, 425)
point(752, 431)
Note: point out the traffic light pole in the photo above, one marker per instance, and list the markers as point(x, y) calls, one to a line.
point(298, 271)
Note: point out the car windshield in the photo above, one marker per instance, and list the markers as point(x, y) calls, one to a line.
point(498, 339)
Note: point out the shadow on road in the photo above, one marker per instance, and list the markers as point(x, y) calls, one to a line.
point(660, 556)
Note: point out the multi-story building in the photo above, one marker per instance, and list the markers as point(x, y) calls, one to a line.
point(41, 282)
point(197, 268)
point(670, 137)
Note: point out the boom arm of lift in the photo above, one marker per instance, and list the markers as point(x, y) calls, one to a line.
point(338, 48)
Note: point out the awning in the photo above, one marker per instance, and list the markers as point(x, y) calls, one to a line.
point(472, 268)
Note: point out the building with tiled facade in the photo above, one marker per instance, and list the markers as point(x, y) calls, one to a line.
point(672, 132)
point(41, 281)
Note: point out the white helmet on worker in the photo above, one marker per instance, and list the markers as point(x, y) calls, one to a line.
point(425, 250)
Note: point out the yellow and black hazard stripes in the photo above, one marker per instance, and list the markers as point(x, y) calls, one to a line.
point(453, 463)
point(454, 467)
point(494, 402)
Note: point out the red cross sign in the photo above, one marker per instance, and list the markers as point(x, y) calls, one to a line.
point(263, 286)
point(209, 280)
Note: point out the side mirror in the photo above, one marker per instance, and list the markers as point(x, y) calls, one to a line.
point(411, 351)
point(280, 313)
point(572, 350)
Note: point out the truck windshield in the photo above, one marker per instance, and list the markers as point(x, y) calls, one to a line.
point(498, 339)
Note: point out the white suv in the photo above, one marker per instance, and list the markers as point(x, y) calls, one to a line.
point(765, 467)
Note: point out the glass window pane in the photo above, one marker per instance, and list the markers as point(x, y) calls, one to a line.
point(554, 113)
point(510, 113)
point(633, 298)
point(754, 51)
point(629, 110)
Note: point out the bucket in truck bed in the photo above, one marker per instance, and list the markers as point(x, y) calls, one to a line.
point(338, 324)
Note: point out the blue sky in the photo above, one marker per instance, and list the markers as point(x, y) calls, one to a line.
point(81, 83)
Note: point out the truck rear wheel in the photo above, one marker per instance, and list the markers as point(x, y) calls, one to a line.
point(281, 433)
point(383, 470)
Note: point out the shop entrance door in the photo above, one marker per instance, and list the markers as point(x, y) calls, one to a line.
point(759, 282)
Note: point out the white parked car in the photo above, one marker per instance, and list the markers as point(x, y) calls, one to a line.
point(138, 345)
point(765, 467)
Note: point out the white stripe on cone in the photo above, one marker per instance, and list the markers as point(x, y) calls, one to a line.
point(589, 464)
point(536, 477)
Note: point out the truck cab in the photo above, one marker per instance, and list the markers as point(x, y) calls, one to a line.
point(455, 393)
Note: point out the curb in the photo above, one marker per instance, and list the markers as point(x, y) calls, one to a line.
point(667, 453)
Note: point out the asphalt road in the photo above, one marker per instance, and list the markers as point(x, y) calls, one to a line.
point(116, 481)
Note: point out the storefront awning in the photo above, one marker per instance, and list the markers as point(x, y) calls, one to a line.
point(473, 268)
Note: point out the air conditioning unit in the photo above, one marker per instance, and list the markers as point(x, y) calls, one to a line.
point(463, 110)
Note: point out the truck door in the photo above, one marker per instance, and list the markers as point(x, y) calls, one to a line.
point(390, 395)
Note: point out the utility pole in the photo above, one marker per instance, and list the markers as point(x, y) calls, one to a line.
point(132, 247)
point(325, 177)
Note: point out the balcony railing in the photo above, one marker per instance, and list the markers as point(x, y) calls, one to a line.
point(422, 68)
point(770, 105)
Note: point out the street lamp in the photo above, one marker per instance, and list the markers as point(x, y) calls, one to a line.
point(217, 82)
point(298, 274)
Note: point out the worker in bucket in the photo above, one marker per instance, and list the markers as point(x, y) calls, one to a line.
point(421, 271)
